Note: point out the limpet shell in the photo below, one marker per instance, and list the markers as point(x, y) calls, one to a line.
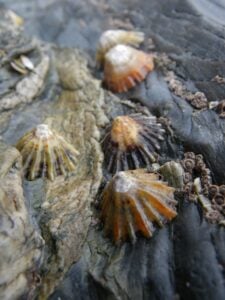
point(46, 154)
point(111, 38)
point(125, 66)
point(135, 201)
point(131, 142)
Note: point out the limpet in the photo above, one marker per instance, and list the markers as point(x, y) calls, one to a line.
point(136, 201)
point(131, 142)
point(111, 38)
point(125, 66)
point(46, 154)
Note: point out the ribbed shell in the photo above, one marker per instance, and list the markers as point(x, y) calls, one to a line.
point(111, 38)
point(131, 142)
point(125, 66)
point(46, 154)
point(136, 201)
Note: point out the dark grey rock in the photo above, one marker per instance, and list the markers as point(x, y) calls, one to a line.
point(186, 259)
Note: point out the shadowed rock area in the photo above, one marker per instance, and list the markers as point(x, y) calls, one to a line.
point(185, 259)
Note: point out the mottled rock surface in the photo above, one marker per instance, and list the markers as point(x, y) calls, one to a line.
point(65, 211)
point(184, 260)
point(20, 243)
point(60, 209)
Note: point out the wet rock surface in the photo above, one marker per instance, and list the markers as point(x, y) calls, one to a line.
point(21, 244)
point(65, 212)
point(185, 259)
point(60, 209)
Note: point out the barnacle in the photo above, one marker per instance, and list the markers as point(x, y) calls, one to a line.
point(194, 166)
point(220, 108)
point(125, 66)
point(198, 186)
point(217, 197)
point(131, 142)
point(46, 154)
point(134, 201)
point(111, 38)
point(213, 203)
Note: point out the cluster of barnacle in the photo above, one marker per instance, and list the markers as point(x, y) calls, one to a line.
point(217, 197)
point(195, 167)
point(197, 99)
point(134, 200)
point(198, 185)
point(219, 107)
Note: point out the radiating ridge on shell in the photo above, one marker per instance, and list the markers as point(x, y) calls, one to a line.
point(125, 66)
point(132, 142)
point(136, 201)
point(46, 154)
point(111, 38)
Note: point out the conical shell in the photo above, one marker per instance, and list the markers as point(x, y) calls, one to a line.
point(46, 154)
point(135, 201)
point(125, 66)
point(132, 142)
point(111, 38)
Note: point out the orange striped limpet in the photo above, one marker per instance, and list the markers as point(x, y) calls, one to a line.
point(125, 66)
point(132, 142)
point(136, 201)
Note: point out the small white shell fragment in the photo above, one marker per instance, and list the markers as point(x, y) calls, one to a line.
point(18, 66)
point(27, 62)
point(17, 20)
point(43, 132)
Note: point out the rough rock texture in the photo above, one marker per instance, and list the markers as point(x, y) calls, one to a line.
point(20, 243)
point(14, 43)
point(184, 260)
point(61, 209)
point(65, 211)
